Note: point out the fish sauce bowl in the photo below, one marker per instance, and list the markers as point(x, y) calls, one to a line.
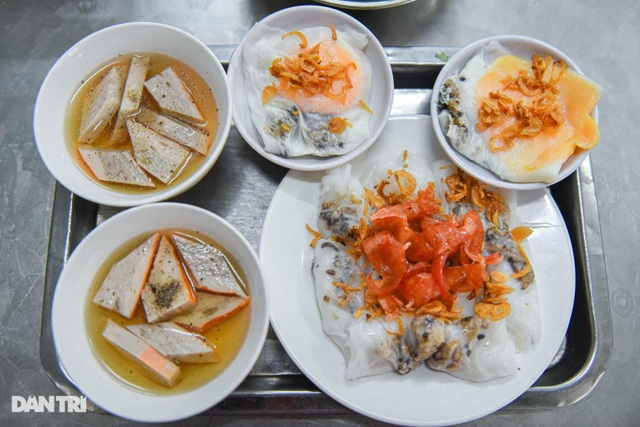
point(85, 58)
point(71, 335)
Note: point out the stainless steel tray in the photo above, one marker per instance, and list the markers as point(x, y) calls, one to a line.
point(276, 386)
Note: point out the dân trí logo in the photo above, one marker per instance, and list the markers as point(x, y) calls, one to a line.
point(49, 404)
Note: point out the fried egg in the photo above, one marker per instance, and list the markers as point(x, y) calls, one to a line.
point(308, 89)
point(519, 131)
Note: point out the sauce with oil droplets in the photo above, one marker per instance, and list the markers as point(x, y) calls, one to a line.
point(227, 337)
point(196, 85)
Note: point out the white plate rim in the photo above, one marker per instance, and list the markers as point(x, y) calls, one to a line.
point(341, 393)
point(457, 61)
point(322, 15)
point(74, 351)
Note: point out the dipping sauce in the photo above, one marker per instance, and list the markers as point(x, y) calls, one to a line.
point(227, 337)
point(160, 123)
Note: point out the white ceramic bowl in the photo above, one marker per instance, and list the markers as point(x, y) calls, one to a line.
point(296, 18)
point(364, 5)
point(65, 78)
point(521, 46)
point(69, 302)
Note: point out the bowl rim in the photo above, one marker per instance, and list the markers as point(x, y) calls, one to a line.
point(244, 123)
point(365, 5)
point(94, 380)
point(458, 61)
point(105, 195)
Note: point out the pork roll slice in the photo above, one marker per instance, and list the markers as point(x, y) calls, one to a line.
point(131, 96)
point(158, 155)
point(176, 343)
point(209, 267)
point(114, 166)
point(211, 310)
point(101, 104)
point(148, 358)
point(168, 291)
point(123, 285)
point(174, 129)
point(172, 96)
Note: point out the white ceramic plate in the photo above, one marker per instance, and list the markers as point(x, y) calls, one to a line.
point(523, 47)
point(69, 302)
point(295, 18)
point(80, 61)
point(423, 397)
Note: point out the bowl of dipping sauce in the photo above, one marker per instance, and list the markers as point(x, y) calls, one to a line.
point(160, 312)
point(133, 114)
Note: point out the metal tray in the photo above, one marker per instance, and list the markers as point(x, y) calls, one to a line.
point(276, 386)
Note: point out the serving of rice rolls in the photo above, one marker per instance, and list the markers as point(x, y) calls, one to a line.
point(421, 265)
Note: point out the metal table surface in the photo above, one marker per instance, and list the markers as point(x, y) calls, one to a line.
point(600, 36)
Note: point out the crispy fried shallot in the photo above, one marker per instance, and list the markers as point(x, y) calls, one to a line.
point(463, 188)
point(519, 234)
point(316, 236)
point(492, 310)
point(303, 39)
point(334, 35)
point(538, 109)
point(268, 92)
point(365, 106)
point(306, 71)
point(338, 125)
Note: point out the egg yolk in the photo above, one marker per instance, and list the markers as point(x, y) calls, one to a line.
point(331, 82)
point(575, 96)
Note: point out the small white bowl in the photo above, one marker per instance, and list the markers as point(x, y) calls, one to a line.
point(296, 18)
point(523, 47)
point(364, 5)
point(68, 314)
point(65, 77)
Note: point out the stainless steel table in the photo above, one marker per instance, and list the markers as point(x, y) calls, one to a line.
point(600, 36)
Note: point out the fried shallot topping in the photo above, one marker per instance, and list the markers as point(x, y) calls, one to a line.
point(538, 109)
point(464, 188)
point(365, 106)
point(316, 236)
point(494, 309)
point(338, 125)
point(268, 92)
point(303, 39)
point(334, 35)
point(493, 306)
point(308, 73)
point(519, 234)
